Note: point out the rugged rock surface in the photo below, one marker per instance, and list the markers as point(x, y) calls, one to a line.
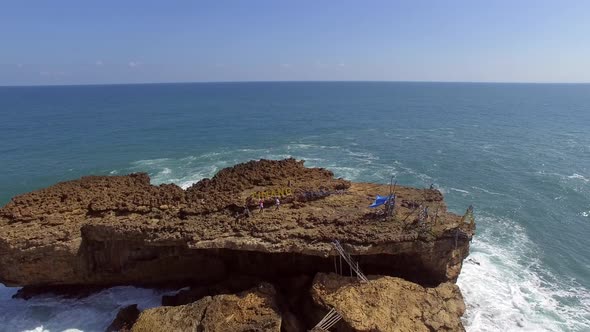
point(105, 230)
point(389, 304)
point(253, 310)
point(100, 231)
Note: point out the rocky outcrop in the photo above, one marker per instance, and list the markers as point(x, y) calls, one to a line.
point(389, 304)
point(252, 310)
point(106, 230)
point(100, 231)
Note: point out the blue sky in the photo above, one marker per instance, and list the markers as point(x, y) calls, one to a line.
point(86, 42)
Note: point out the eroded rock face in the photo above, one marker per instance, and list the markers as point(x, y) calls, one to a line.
point(389, 304)
point(252, 310)
point(109, 230)
point(125, 319)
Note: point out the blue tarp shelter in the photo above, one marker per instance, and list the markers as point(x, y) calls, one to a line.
point(380, 200)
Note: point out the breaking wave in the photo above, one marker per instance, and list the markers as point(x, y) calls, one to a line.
point(503, 282)
point(506, 289)
point(51, 313)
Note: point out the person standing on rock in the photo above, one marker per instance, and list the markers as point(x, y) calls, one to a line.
point(277, 203)
point(261, 204)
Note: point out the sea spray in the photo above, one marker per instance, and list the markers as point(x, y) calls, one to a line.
point(49, 313)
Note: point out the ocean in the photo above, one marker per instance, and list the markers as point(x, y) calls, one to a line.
point(520, 153)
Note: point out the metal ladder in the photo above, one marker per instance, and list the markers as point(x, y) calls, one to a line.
point(331, 318)
point(353, 265)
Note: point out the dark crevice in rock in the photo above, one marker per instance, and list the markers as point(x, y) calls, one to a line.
point(196, 292)
point(200, 327)
point(125, 319)
point(65, 291)
point(135, 263)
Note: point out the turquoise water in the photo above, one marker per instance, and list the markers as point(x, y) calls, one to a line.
point(520, 153)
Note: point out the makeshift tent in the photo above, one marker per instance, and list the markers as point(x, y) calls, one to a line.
point(380, 200)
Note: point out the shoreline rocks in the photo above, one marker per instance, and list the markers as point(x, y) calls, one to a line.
point(252, 310)
point(389, 304)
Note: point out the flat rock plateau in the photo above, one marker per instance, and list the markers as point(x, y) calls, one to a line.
point(244, 269)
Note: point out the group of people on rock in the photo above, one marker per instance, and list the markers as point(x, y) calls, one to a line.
point(247, 212)
point(261, 204)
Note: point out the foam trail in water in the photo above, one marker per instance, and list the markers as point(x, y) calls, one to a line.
point(578, 176)
point(459, 190)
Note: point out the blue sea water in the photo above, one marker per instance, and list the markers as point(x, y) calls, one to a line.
point(520, 153)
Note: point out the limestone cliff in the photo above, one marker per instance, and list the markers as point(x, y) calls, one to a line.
point(121, 230)
point(111, 230)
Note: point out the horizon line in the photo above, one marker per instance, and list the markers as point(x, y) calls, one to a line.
point(292, 81)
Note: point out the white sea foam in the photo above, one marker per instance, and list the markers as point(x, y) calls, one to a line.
point(148, 162)
point(210, 155)
point(501, 283)
point(425, 178)
point(52, 314)
point(277, 156)
point(350, 173)
point(505, 291)
point(184, 171)
point(302, 146)
point(362, 155)
point(578, 176)
point(574, 176)
point(296, 146)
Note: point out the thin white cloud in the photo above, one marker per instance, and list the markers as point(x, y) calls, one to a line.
point(133, 64)
point(99, 63)
point(53, 74)
point(286, 65)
